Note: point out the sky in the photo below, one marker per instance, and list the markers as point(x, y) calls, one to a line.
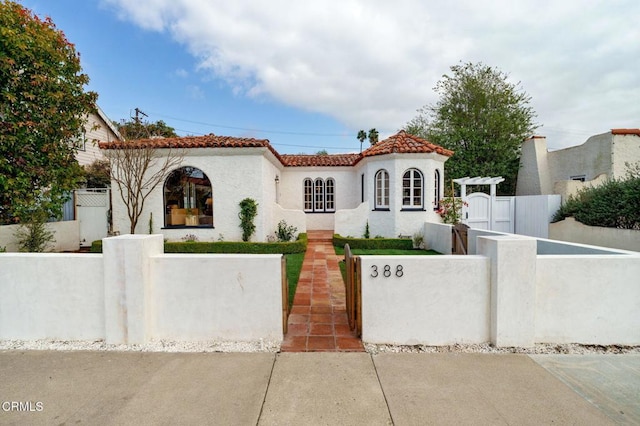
point(309, 75)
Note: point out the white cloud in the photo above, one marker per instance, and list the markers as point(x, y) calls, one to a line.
point(374, 63)
point(181, 72)
point(194, 92)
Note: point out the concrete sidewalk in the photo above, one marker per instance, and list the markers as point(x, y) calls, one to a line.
point(301, 389)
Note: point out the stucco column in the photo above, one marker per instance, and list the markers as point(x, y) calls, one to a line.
point(513, 280)
point(127, 286)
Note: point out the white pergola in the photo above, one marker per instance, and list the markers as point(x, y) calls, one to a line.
point(465, 181)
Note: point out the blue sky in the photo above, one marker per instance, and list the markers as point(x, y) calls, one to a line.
point(308, 76)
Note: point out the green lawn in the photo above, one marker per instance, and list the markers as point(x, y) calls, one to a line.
point(294, 266)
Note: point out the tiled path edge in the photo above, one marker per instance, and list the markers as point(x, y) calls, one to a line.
point(318, 319)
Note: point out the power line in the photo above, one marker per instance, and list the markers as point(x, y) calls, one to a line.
point(277, 143)
point(247, 129)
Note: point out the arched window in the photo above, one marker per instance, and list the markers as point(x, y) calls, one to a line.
point(382, 189)
point(330, 199)
point(436, 190)
point(412, 195)
point(188, 198)
point(308, 195)
point(319, 195)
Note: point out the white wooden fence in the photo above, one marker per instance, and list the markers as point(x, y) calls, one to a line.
point(524, 215)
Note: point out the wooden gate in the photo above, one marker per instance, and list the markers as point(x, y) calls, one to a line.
point(285, 294)
point(353, 291)
point(92, 213)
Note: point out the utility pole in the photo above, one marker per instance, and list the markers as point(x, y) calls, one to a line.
point(139, 112)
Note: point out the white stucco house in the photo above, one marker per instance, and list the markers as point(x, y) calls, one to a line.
point(565, 171)
point(394, 185)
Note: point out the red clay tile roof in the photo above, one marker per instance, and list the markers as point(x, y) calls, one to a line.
point(330, 160)
point(399, 143)
point(403, 143)
point(206, 141)
point(625, 132)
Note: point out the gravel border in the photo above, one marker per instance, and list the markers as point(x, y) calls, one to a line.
point(153, 346)
point(538, 349)
point(273, 347)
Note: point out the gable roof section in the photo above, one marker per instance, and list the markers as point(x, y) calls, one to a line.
point(108, 122)
point(405, 143)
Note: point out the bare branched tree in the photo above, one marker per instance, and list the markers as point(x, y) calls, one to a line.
point(137, 168)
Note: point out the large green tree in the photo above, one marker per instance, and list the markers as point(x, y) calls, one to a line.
point(135, 129)
point(483, 117)
point(43, 108)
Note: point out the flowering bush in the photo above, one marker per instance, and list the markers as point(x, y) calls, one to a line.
point(190, 238)
point(450, 210)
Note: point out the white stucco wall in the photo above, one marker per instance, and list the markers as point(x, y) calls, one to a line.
point(508, 295)
point(571, 230)
point(66, 235)
point(295, 218)
point(533, 175)
point(591, 159)
point(349, 223)
point(235, 174)
point(588, 299)
point(439, 300)
point(51, 296)
point(601, 156)
point(626, 149)
point(133, 293)
point(203, 297)
point(568, 188)
point(292, 192)
point(397, 221)
point(437, 236)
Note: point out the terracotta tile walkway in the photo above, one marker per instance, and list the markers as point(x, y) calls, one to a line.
point(318, 319)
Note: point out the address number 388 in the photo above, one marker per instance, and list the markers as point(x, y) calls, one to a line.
point(386, 271)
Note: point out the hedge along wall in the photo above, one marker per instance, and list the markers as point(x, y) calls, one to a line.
point(373, 243)
point(298, 246)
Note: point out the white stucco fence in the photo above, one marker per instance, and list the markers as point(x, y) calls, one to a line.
point(352, 222)
point(515, 291)
point(51, 296)
point(65, 233)
point(134, 293)
point(571, 230)
point(438, 299)
point(509, 294)
point(437, 236)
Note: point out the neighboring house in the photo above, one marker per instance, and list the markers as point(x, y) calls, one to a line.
point(394, 186)
point(97, 129)
point(565, 171)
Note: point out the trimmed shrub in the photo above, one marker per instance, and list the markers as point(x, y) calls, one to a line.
point(613, 204)
point(96, 246)
point(298, 246)
point(377, 243)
